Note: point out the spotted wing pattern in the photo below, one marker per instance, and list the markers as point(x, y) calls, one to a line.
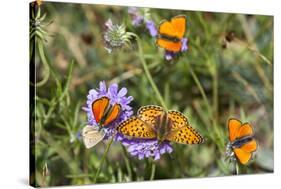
point(135, 127)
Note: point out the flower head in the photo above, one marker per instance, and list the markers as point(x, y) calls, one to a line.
point(38, 23)
point(115, 36)
point(229, 153)
point(169, 55)
point(145, 148)
point(115, 96)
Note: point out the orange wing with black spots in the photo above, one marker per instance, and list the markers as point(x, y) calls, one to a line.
point(149, 114)
point(145, 126)
point(185, 135)
point(135, 127)
point(179, 120)
point(181, 131)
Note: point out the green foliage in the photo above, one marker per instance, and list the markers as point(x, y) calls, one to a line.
point(208, 83)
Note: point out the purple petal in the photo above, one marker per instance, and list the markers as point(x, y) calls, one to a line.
point(108, 23)
point(93, 92)
point(184, 46)
point(169, 55)
point(122, 92)
point(113, 90)
point(102, 88)
point(132, 10)
point(151, 28)
point(157, 156)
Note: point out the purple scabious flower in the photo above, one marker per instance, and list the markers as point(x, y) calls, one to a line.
point(145, 148)
point(115, 96)
point(150, 25)
point(169, 55)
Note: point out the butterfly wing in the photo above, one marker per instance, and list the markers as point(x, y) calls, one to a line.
point(174, 28)
point(185, 135)
point(91, 136)
point(169, 45)
point(179, 25)
point(244, 153)
point(99, 107)
point(113, 114)
point(250, 146)
point(233, 128)
point(179, 120)
point(181, 131)
point(242, 156)
point(149, 114)
point(166, 28)
point(245, 130)
point(135, 127)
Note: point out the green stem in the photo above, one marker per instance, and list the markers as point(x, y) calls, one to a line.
point(102, 159)
point(236, 168)
point(200, 87)
point(127, 162)
point(45, 64)
point(153, 168)
point(209, 109)
point(148, 75)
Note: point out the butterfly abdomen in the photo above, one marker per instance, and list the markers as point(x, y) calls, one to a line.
point(241, 141)
point(169, 38)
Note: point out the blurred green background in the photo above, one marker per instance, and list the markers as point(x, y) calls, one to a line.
point(227, 72)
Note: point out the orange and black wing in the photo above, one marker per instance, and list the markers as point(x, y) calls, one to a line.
point(245, 130)
point(233, 128)
point(245, 152)
point(113, 114)
point(179, 25)
point(137, 128)
point(174, 28)
point(169, 45)
point(171, 29)
point(99, 108)
point(149, 114)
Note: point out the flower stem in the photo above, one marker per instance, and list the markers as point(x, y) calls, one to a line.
point(236, 168)
point(201, 90)
point(127, 162)
point(148, 75)
point(209, 108)
point(103, 158)
point(153, 168)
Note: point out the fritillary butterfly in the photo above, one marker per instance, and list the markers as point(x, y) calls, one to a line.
point(153, 122)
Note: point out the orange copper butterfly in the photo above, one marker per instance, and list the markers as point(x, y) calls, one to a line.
point(241, 140)
point(153, 122)
point(104, 114)
point(170, 33)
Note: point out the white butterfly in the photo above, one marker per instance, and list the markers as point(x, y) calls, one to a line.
point(92, 135)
